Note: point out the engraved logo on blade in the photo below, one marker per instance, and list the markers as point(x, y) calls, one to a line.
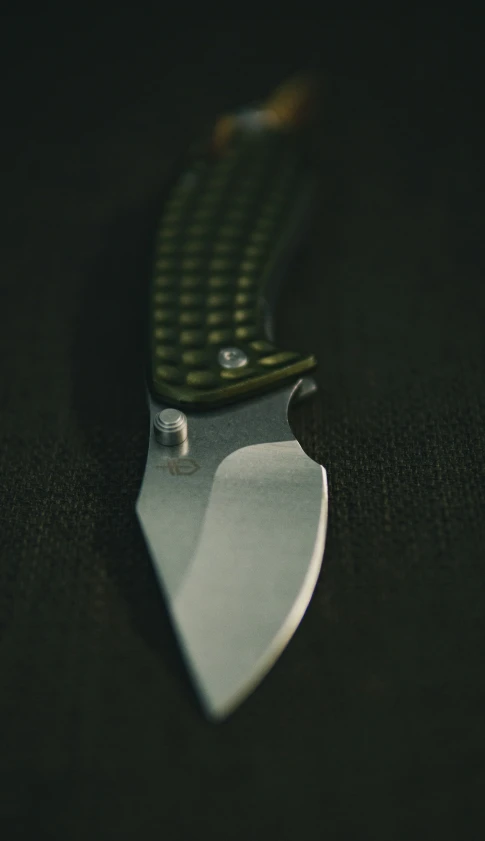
point(179, 466)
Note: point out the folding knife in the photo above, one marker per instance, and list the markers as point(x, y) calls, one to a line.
point(233, 511)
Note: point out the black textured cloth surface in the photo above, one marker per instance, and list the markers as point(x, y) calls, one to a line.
point(371, 725)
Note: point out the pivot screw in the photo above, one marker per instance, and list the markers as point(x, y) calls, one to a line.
point(232, 357)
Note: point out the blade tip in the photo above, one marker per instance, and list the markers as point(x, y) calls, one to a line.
point(217, 710)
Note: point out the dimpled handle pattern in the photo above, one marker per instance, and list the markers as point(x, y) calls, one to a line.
point(221, 242)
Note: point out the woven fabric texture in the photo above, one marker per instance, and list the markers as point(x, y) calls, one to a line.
point(371, 725)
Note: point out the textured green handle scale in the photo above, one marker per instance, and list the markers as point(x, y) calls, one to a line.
point(222, 240)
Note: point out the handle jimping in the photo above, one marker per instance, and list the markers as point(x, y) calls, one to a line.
point(221, 246)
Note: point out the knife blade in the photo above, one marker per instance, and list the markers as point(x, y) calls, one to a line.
point(233, 511)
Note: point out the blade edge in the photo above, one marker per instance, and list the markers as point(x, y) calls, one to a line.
point(219, 712)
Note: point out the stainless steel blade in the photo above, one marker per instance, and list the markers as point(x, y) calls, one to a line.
point(235, 522)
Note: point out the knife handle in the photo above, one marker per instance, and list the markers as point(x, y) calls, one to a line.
point(227, 226)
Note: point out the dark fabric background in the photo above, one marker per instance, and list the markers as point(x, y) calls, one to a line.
point(371, 725)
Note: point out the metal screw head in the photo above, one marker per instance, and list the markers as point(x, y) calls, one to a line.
point(170, 427)
point(232, 357)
